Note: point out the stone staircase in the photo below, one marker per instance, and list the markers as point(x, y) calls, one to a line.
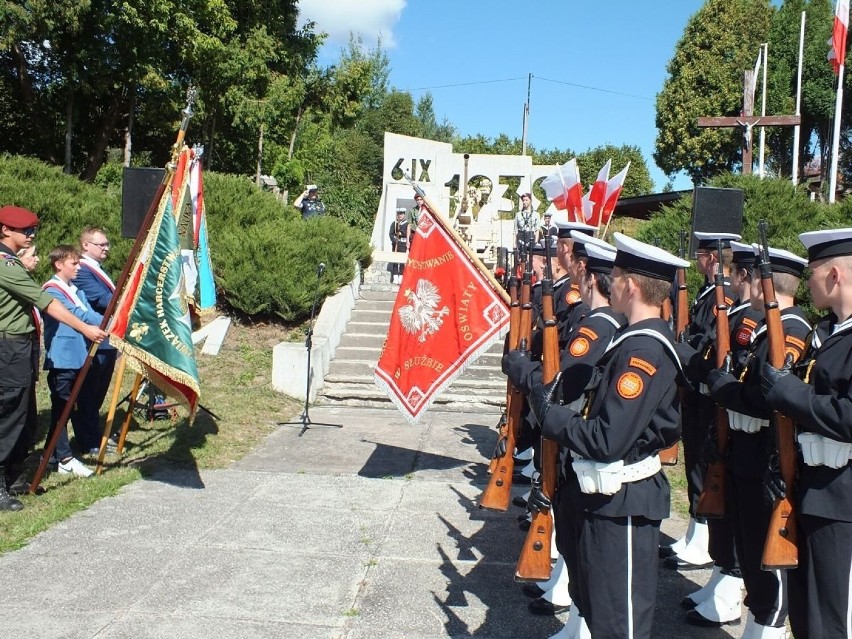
point(349, 380)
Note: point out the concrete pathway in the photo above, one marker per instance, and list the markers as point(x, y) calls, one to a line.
point(363, 528)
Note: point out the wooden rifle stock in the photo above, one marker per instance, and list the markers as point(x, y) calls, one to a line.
point(668, 456)
point(711, 503)
point(498, 492)
point(534, 562)
point(780, 550)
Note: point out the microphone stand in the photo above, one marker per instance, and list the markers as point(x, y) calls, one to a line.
point(304, 418)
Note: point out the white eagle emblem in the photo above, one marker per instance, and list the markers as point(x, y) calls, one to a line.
point(421, 314)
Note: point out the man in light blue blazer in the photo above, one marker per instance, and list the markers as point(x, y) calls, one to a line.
point(92, 280)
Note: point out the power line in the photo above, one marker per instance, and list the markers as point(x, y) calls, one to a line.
point(537, 77)
point(464, 84)
point(583, 86)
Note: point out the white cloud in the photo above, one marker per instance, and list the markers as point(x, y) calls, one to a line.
point(369, 18)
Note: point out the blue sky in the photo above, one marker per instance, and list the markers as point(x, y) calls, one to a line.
point(597, 66)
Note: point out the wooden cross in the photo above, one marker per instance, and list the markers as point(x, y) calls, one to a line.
point(748, 120)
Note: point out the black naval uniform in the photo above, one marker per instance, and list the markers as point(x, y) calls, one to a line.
point(632, 415)
point(698, 409)
point(824, 494)
point(398, 233)
point(748, 457)
point(18, 294)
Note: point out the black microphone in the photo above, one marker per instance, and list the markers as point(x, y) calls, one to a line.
point(320, 269)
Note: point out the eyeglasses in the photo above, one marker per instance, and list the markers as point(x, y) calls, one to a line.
point(99, 244)
point(28, 231)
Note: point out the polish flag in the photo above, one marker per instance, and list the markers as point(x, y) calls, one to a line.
point(837, 53)
point(613, 190)
point(589, 208)
point(597, 196)
point(564, 189)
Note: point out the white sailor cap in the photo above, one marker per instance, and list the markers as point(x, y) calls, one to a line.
point(646, 259)
point(710, 241)
point(600, 259)
point(582, 240)
point(565, 228)
point(784, 261)
point(540, 248)
point(744, 254)
point(828, 243)
point(400, 209)
point(311, 187)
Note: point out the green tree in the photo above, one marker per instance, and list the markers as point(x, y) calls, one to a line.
point(429, 126)
point(705, 77)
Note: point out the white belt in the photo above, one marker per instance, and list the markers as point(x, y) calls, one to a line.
point(822, 451)
point(746, 423)
point(704, 389)
point(607, 478)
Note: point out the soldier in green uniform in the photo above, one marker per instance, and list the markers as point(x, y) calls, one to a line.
point(18, 295)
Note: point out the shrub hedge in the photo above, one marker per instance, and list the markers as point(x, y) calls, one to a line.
point(264, 255)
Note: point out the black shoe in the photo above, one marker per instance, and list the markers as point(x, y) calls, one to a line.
point(22, 487)
point(676, 563)
point(532, 590)
point(519, 501)
point(695, 618)
point(544, 607)
point(665, 551)
point(7, 502)
point(688, 603)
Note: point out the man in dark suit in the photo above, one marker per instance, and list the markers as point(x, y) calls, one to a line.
point(99, 289)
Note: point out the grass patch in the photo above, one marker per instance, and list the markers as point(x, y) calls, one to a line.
point(677, 480)
point(236, 385)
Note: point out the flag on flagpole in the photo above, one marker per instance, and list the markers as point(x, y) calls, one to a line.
point(837, 53)
point(151, 322)
point(597, 195)
point(613, 190)
point(446, 314)
point(757, 65)
point(564, 189)
point(206, 286)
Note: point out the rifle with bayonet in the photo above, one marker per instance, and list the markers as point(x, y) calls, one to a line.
point(534, 562)
point(498, 492)
point(711, 502)
point(668, 456)
point(780, 550)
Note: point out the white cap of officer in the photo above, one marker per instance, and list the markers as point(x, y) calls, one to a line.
point(710, 241)
point(583, 240)
point(784, 261)
point(565, 227)
point(646, 259)
point(827, 243)
point(600, 259)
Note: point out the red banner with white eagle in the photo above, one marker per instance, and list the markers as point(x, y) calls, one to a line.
point(445, 315)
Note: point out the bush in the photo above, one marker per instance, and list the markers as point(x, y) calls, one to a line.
point(264, 255)
point(787, 210)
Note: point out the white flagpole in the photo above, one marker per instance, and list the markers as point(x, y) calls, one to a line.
point(835, 143)
point(763, 112)
point(797, 128)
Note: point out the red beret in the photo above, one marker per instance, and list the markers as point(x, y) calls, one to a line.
point(17, 217)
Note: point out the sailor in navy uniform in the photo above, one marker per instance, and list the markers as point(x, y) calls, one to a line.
point(752, 442)
point(577, 364)
point(821, 406)
point(98, 289)
point(720, 599)
point(568, 307)
point(692, 551)
point(630, 415)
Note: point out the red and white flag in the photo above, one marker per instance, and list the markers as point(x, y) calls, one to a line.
point(597, 196)
point(837, 53)
point(446, 314)
point(613, 190)
point(564, 189)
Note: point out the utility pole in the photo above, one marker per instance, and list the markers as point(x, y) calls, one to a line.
point(526, 117)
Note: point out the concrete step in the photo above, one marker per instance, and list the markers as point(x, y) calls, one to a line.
point(360, 314)
point(473, 383)
point(378, 293)
point(346, 367)
point(359, 340)
point(338, 392)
